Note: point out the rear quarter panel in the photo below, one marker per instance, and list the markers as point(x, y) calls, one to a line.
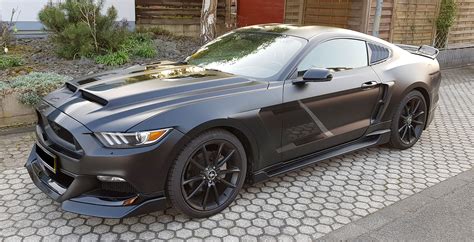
point(404, 72)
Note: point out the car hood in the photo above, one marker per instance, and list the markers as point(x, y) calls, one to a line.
point(117, 100)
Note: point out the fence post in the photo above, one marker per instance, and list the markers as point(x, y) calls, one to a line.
point(377, 17)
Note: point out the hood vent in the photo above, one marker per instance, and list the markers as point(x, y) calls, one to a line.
point(93, 98)
point(71, 87)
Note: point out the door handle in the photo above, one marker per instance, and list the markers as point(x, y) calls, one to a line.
point(369, 84)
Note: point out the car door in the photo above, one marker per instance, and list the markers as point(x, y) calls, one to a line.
point(320, 115)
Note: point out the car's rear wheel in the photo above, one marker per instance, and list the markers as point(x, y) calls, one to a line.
point(208, 174)
point(409, 121)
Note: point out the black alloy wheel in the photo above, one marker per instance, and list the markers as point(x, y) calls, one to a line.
point(210, 176)
point(409, 121)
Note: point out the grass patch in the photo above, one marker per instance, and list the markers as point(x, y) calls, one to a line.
point(7, 61)
point(139, 44)
point(136, 45)
point(113, 58)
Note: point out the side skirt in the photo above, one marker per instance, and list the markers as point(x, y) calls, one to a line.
point(283, 167)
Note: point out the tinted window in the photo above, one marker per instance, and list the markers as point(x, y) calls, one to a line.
point(258, 55)
point(378, 53)
point(339, 54)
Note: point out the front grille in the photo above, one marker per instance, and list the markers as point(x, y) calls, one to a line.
point(48, 159)
point(113, 191)
point(62, 132)
point(60, 178)
point(122, 187)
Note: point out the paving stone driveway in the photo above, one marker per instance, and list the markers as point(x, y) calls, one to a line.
point(301, 205)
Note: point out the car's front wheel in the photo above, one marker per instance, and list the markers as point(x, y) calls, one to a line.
point(208, 174)
point(409, 121)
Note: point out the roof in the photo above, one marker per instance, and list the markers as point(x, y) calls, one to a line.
point(306, 32)
point(309, 32)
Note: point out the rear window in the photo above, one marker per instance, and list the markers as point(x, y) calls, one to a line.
point(378, 53)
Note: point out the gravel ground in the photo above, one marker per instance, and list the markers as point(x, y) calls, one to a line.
point(303, 205)
point(39, 55)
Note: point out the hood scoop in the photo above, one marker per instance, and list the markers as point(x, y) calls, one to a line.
point(93, 98)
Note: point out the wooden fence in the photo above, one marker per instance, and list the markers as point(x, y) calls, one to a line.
point(462, 32)
point(386, 20)
point(414, 21)
point(181, 17)
point(294, 11)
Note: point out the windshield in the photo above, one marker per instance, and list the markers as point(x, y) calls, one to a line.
point(257, 55)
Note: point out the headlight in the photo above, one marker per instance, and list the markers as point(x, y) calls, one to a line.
point(130, 140)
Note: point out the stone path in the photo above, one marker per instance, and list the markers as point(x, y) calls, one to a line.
point(302, 205)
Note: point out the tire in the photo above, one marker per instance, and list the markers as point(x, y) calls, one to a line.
point(408, 121)
point(202, 183)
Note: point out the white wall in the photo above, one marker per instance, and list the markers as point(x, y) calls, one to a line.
point(29, 9)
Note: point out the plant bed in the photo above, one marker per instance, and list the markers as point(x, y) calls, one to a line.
point(38, 55)
point(20, 95)
point(82, 39)
point(13, 113)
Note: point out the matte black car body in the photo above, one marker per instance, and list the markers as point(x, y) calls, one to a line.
point(266, 115)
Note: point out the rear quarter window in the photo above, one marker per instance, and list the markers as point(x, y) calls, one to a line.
point(378, 53)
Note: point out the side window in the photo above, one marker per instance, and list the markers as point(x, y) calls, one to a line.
point(337, 55)
point(378, 53)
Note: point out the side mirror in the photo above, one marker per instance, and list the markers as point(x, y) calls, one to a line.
point(316, 75)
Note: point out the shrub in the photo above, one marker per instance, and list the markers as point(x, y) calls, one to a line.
point(113, 59)
point(446, 17)
point(7, 61)
point(7, 29)
point(4, 86)
point(80, 29)
point(33, 86)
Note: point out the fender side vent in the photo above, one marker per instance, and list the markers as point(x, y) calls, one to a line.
point(93, 98)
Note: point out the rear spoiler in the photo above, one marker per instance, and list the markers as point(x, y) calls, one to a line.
point(424, 50)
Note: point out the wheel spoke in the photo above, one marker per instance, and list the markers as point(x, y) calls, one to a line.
point(226, 182)
point(417, 122)
point(418, 114)
point(401, 129)
point(412, 129)
point(195, 190)
point(193, 179)
point(205, 154)
point(219, 153)
point(404, 132)
point(417, 105)
point(227, 158)
point(197, 164)
point(233, 170)
point(409, 134)
point(216, 194)
point(407, 110)
point(206, 195)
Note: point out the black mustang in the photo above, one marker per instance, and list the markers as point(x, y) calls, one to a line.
point(250, 105)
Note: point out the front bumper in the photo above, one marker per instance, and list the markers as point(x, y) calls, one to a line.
point(87, 204)
point(74, 181)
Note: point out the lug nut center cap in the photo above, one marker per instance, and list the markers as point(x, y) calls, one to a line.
point(211, 174)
